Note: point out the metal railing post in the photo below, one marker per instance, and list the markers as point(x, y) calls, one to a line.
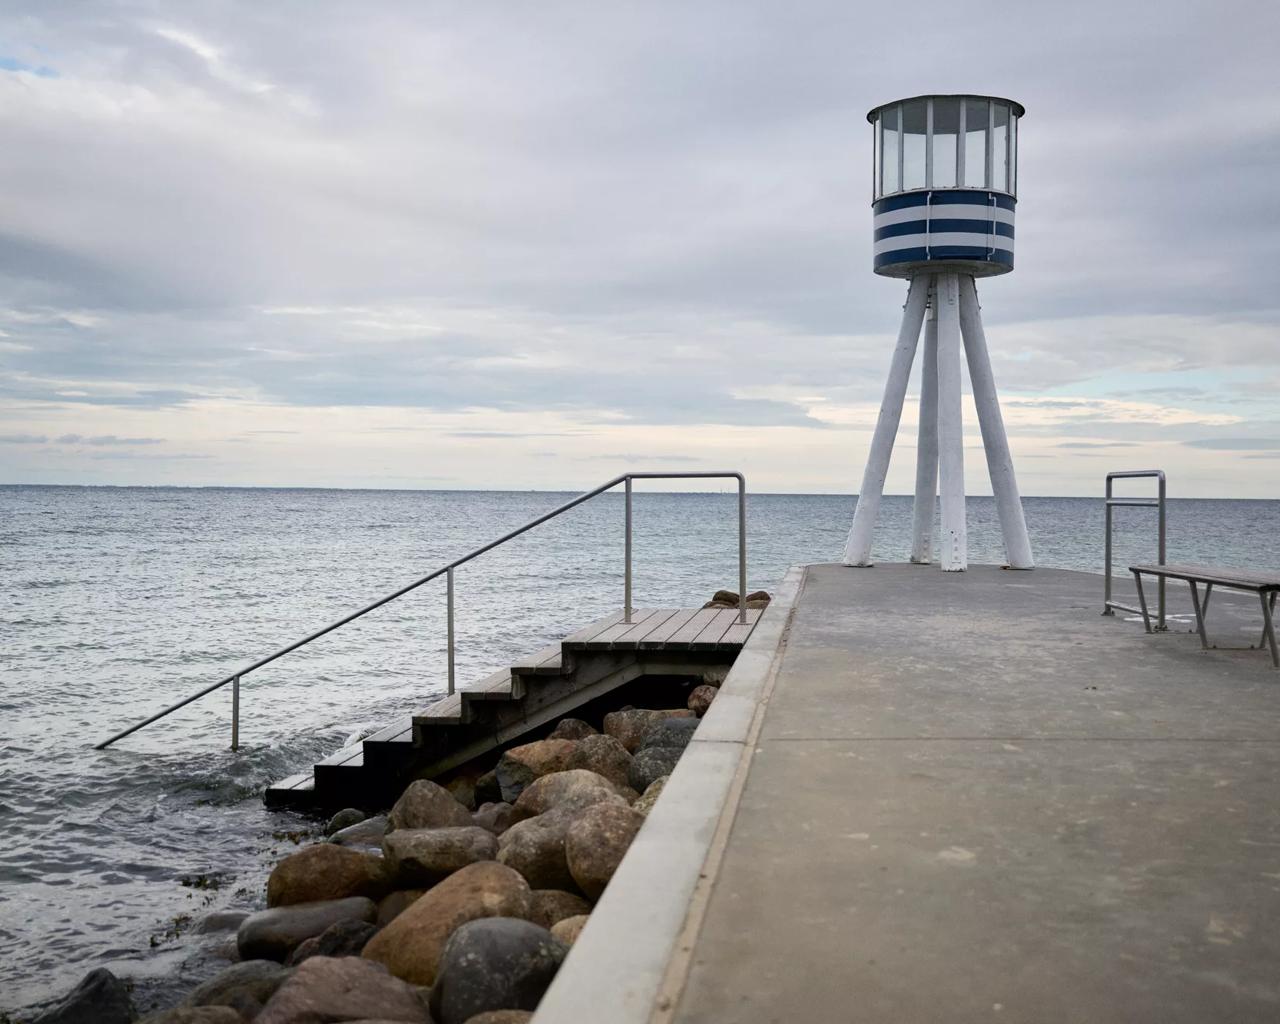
point(1160, 623)
point(1106, 589)
point(626, 575)
point(742, 549)
point(235, 713)
point(449, 615)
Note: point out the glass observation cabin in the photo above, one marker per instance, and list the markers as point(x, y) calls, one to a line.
point(954, 161)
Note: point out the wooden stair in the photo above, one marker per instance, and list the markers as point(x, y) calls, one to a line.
point(497, 710)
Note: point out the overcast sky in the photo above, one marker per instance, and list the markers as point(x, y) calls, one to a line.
point(530, 245)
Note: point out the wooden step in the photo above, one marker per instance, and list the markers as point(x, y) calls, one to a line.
point(502, 685)
point(547, 662)
point(446, 711)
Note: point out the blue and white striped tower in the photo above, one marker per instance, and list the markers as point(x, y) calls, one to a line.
point(945, 193)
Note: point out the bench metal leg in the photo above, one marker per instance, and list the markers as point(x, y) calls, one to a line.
point(1208, 593)
point(1142, 602)
point(1269, 625)
point(1195, 600)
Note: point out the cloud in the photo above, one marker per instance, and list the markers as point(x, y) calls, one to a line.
point(523, 213)
point(1235, 444)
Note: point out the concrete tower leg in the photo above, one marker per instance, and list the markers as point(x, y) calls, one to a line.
point(954, 553)
point(858, 549)
point(926, 501)
point(1004, 485)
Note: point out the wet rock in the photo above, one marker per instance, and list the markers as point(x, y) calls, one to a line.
point(568, 930)
point(604, 755)
point(572, 729)
point(725, 597)
point(535, 848)
point(274, 934)
point(502, 1017)
point(501, 963)
point(221, 921)
point(348, 988)
point(365, 835)
point(410, 945)
point(650, 765)
point(421, 857)
point(670, 732)
point(256, 980)
point(700, 698)
point(520, 766)
point(575, 788)
point(650, 796)
point(194, 1015)
point(326, 872)
point(425, 805)
point(552, 905)
point(496, 817)
point(596, 842)
point(394, 904)
point(99, 998)
point(346, 938)
point(631, 727)
point(758, 599)
point(345, 818)
point(487, 789)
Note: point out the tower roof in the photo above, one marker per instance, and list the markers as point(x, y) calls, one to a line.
point(1018, 109)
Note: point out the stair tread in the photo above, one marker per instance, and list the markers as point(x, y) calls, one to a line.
point(547, 661)
point(446, 709)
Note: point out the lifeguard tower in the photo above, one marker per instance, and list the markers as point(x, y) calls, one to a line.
point(945, 193)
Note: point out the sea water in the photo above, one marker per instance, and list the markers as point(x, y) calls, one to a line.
point(117, 602)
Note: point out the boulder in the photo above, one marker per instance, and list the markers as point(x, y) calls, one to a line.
point(221, 921)
point(604, 755)
point(343, 989)
point(365, 835)
point(575, 788)
point(420, 857)
point(572, 729)
point(194, 1015)
point(670, 732)
point(729, 597)
point(463, 789)
point(520, 766)
point(700, 698)
point(274, 934)
point(487, 789)
point(410, 945)
point(496, 817)
point(650, 796)
point(99, 998)
point(535, 848)
point(631, 727)
point(425, 805)
point(652, 764)
point(552, 905)
point(568, 930)
point(596, 842)
point(345, 818)
point(502, 1017)
point(394, 904)
point(346, 938)
point(326, 872)
point(256, 980)
point(501, 963)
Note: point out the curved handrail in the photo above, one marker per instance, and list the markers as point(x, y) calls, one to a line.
point(447, 570)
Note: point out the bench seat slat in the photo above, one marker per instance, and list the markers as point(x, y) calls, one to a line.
point(1220, 576)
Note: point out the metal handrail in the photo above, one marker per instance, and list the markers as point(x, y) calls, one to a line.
point(447, 571)
point(1110, 607)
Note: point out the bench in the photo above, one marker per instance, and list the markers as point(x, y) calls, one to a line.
point(1265, 585)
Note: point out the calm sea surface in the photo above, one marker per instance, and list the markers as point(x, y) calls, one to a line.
point(117, 602)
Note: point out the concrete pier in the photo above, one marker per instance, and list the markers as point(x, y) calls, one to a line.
point(958, 797)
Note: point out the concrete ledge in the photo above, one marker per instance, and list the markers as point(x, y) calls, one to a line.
point(618, 964)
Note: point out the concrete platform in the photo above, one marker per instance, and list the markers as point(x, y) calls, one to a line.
point(960, 797)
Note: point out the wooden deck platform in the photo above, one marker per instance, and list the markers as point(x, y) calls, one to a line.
point(501, 708)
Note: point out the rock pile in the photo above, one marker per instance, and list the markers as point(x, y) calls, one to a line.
point(455, 907)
